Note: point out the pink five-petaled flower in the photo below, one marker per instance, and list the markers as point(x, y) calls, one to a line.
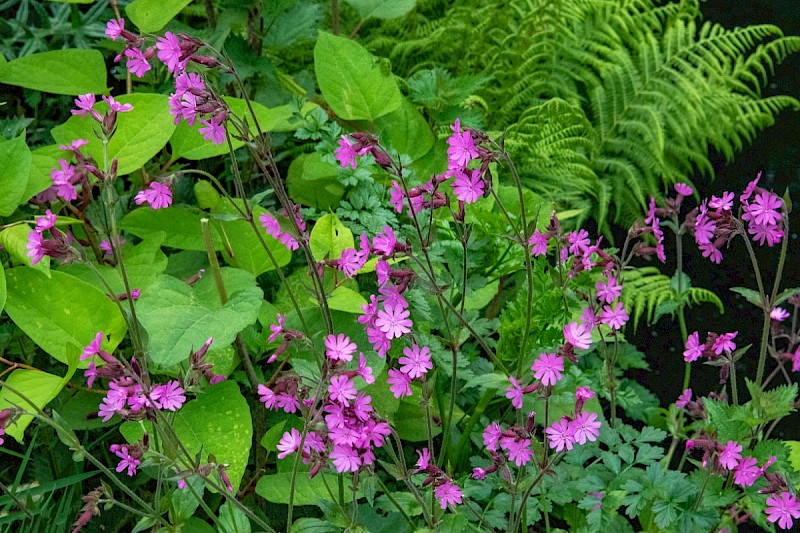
point(729, 457)
point(127, 460)
point(608, 289)
point(491, 436)
point(779, 313)
point(578, 242)
point(722, 204)
point(782, 509)
point(520, 452)
point(746, 472)
point(339, 348)
point(462, 148)
point(448, 493)
point(683, 189)
point(93, 348)
point(267, 397)
point(385, 243)
point(364, 370)
point(169, 52)
point(416, 361)
point(116, 106)
point(35, 246)
point(289, 443)
point(399, 383)
point(548, 368)
point(578, 335)
point(424, 459)
point(614, 317)
point(84, 103)
point(345, 458)
point(168, 396)
point(156, 196)
point(48, 220)
point(277, 329)
point(585, 427)
point(137, 63)
point(346, 154)
point(693, 348)
point(342, 389)
point(514, 393)
point(763, 210)
point(538, 243)
point(213, 131)
point(468, 186)
point(114, 28)
point(684, 399)
point(724, 343)
point(561, 435)
point(351, 261)
point(393, 321)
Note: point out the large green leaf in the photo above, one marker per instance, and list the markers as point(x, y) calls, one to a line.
point(60, 311)
point(356, 84)
point(406, 130)
point(187, 142)
point(382, 9)
point(15, 167)
point(38, 387)
point(152, 15)
point(247, 250)
point(3, 292)
point(275, 487)
point(312, 181)
point(329, 237)
point(14, 240)
point(58, 71)
point(39, 177)
point(179, 318)
point(141, 133)
point(183, 224)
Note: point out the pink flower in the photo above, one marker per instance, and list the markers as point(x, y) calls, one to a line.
point(584, 394)
point(267, 397)
point(424, 459)
point(724, 343)
point(704, 228)
point(289, 443)
point(578, 335)
point(514, 393)
point(416, 361)
point(93, 348)
point(579, 241)
point(520, 452)
point(189, 82)
point(35, 246)
point(116, 106)
point(548, 368)
point(364, 370)
point(288, 402)
point(277, 329)
point(763, 210)
point(448, 494)
point(491, 436)
point(393, 321)
point(729, 457)
point(345, 459)
point(779, 313)
point(127, 460)
point(712, 252)
point(538, 243)
point(213, 131)
point(346, 154)
point(772, 234)
point(746, 472)
point(45, 222)
point(342, 389)
point(684, 399)
point(114, 28)
point(351, 261)
point(339, 348)
point(782, 509)
point(608, 289)
point(585, 427)
point(399, 383)
point(614, 317)
point(722, 204)
point(468, 187)
point(693, 348)
point(156, 196)
point(169, 396)
point(561, 435)
point(169, 52)
point(462, 148)
point(137, 63)
point(385, 243)
point(84, 103)
point(683, 189)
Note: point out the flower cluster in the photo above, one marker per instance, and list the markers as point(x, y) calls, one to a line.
point(444, 490)
point(58, 246)
point(716, 348)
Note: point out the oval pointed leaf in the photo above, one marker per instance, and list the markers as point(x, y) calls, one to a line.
point(61, 311)
point(15, 166)
point(69, 71)
point(141, 133)
point(356, 84)
point(152, 15)
point(329, 237)
point(183, 223)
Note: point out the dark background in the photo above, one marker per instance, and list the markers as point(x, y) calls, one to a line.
point(775, 152)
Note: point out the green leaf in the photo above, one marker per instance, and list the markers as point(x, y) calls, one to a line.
point(356, 85)
point(275, 488)
point(347, 300)
point(183, 224)
point(3, 292)
point(314, 525)
point(14, 240)
point(382, 9)
point(38, 387)
point(206, 194)
point(232, 520)
point(15, 167)
point(312, 181)
point(61, 311)
point(141, 133)
point(329, 237)
point(773, 404)
point(794, 453)
point(68, 71)
point(39, 177)
point(405, 130)
point(179, 318)
point(183, 503)
point(245, 246)
point(273, 436)
point(187, 142)
point(749, 294)
point(152, 15)
point(218, 422)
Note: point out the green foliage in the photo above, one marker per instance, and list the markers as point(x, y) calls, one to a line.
point(58, 72)
point(15, 166)
point(649, 88)
point(152, 15)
